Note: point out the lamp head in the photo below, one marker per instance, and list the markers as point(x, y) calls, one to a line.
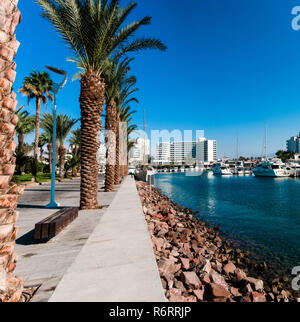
point(57, 87)
point(56, 70)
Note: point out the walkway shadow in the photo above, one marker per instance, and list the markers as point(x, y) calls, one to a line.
point(38, 207)
point(27, 239)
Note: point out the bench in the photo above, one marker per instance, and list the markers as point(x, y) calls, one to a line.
point(54, 224)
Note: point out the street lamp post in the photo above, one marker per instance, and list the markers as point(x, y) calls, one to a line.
point(56, 88)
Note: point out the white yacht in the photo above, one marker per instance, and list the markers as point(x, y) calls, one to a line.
point(271, 169)
point(221, 169)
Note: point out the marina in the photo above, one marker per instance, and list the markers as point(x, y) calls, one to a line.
point(260, 214)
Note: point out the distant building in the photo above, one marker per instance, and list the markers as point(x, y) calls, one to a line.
point(206, 150)
point(140, 152)
point(183, 152)
point(293, 144)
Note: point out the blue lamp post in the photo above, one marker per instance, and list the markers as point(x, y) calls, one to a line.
point(56, 88)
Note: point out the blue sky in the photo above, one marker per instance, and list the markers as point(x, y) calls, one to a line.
point(231, 66)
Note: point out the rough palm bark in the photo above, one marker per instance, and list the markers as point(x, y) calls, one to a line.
point(21, 142)
point(10, 286)
point(49, 148)
point(92, 98)
point(62, 160)
point(110, 126)
point(117, 165)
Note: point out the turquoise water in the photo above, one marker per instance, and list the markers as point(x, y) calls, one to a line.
point(260, 214)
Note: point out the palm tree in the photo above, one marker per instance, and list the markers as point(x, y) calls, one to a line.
point(25, 126)
point(38, 86)
point(123, 115)
point(95, 30)
point(44, 139)
point(115, 79)
point(47, 126)
point(10, 286)
point(64, 126)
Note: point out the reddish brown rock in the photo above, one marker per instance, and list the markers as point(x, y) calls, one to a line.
point(199, 293)
point(185, 263)
point(218, 279)
point(191, 279)
point(229, 268)
point(257, 284)
point(217, 290)
point(258, 297)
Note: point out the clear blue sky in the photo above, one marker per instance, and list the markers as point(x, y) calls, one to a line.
point(231, 67)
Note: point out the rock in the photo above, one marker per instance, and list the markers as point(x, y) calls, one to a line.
point(258, 297)
point(235, 292)
point(199, 293)
point(158, 243)
point(220, 299)
point(191, 279)
point(217, 266)
point(175, 295)
point(207, 267)
point(204, 277)
point(248, 289)
point(229, 268)
point(217, 290)
point(239, 275)
point(179, 285)
point(270, 297)
point(185, 263)
point(190, 299)
point(257, 284)
point(218, 279)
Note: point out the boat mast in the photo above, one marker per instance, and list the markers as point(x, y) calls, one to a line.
point(265, 143)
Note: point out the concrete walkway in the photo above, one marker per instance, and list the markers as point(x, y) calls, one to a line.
point(117, 263)
point(45, 264)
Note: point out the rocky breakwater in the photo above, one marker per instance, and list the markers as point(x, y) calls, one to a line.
point(194, 263)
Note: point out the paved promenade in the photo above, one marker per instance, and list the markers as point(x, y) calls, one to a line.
point(117, 263)
point(45, 264)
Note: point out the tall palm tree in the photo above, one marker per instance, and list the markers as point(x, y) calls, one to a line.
point(47, 126)
point(10, 286)
point(38, 86)
point(127, 128)
point(115, 79)
point(64, 126)
point(123, 115)
point(95, 31)
point(25, 126)
point(44, 139)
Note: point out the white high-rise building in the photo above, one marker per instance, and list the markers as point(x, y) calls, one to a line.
point(186, 152)
point(163, 152)
point(206, 150)
point(140, 151)
point(293, 144)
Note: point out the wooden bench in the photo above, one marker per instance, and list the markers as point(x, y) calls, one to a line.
point(54, 224)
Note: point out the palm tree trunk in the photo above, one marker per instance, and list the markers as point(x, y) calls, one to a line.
point(41, 154)
point(36, 140)
point(117, 165)
point(49, 147)
point(110, 127)
point(92, 98)
point(62, 160)
point(21, 142)
point(10, 287)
